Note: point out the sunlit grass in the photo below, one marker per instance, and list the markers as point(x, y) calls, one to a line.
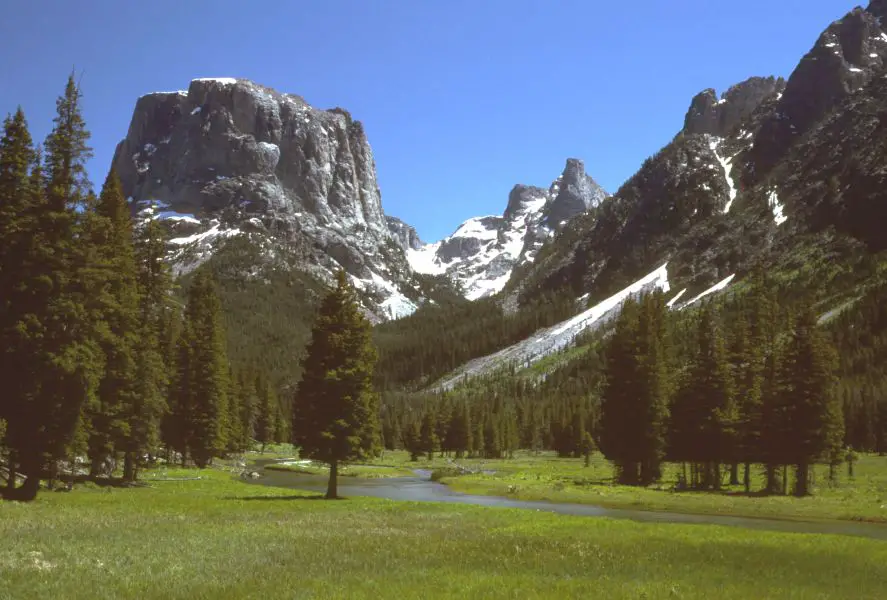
point(218, 537)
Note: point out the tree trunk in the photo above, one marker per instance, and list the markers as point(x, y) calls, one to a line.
point(10, 483)
point(746, 477)
point(332, 488)
point(129, 467)
point(716, 475)
point(784, 480)
point(734, 474)
point(772, 479)
point(28, 491)
point(802, 485)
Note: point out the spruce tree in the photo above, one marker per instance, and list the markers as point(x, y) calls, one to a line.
point(335, 410)
point(428, 434)
point(619, 398)
point(266, 413)
point(114, 295)
point(55, 331)
point(655, 398)
point(807, 378)
point(149, 405)
point(634, 403)
point(208, 376)
point(412, 440)
point(17, 159)
point(177, 431)
point(249, 401)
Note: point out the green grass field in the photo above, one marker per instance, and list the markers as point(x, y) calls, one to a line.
point(222, 538)
point(546, 477)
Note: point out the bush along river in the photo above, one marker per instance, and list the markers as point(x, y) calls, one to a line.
point(420, 488)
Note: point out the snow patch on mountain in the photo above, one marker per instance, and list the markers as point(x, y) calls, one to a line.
point(727, 166)
point(715, 288)
point(777, 208)
point(215, 231)
point(481, 254)
point(395, 305)
point(552, 339)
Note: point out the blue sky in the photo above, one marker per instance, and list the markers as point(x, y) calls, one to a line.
point(461, 99)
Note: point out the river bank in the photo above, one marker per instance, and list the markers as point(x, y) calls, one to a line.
point(521, 484)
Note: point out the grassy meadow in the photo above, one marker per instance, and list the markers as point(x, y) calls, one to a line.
point(219, 537)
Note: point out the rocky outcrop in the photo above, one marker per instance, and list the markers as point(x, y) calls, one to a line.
point(233, 155)
point(842, 61)
point(710, 115)
point(482, 253)
point(404, 234)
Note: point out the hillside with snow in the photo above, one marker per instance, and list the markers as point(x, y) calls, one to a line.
point(481, 254)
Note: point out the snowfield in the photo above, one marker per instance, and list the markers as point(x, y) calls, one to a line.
point(555, 338)
point(486, 272)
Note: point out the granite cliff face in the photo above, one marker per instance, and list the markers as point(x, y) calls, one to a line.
point(227, 157)
point(482, 253)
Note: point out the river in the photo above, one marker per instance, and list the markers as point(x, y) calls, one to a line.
point(421, 489)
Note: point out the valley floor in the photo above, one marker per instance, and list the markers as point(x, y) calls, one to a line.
point(219, 537)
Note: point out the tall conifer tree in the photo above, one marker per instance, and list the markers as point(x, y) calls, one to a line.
point(335, 410)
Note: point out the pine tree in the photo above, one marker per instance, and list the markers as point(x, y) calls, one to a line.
point(177, 431)
point(151, 368)
point(249, 401)
point(335, 411)
point(428, 434)
point(412, 440)
point(17, 159)
point(807, 377)
point(266, 413)
point(55, 332)
point(703, 415)
point(751, 356)
point(208, 376)
point(620, 395)
point(459, 431)
point(634, 404)
point(114, 296)
point(233, 427)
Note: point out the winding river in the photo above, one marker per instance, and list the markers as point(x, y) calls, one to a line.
point(421, 489)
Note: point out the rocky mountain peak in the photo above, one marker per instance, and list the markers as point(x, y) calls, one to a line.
point(844, 59)
point(230, 155)
point(709, 115)
point(483, 251)
point(577, 192)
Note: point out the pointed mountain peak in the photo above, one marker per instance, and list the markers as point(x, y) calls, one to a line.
point(576, 193)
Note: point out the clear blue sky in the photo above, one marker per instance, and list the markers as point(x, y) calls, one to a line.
point(461, 99)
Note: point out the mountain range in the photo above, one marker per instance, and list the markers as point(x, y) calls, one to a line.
point(781, 174)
